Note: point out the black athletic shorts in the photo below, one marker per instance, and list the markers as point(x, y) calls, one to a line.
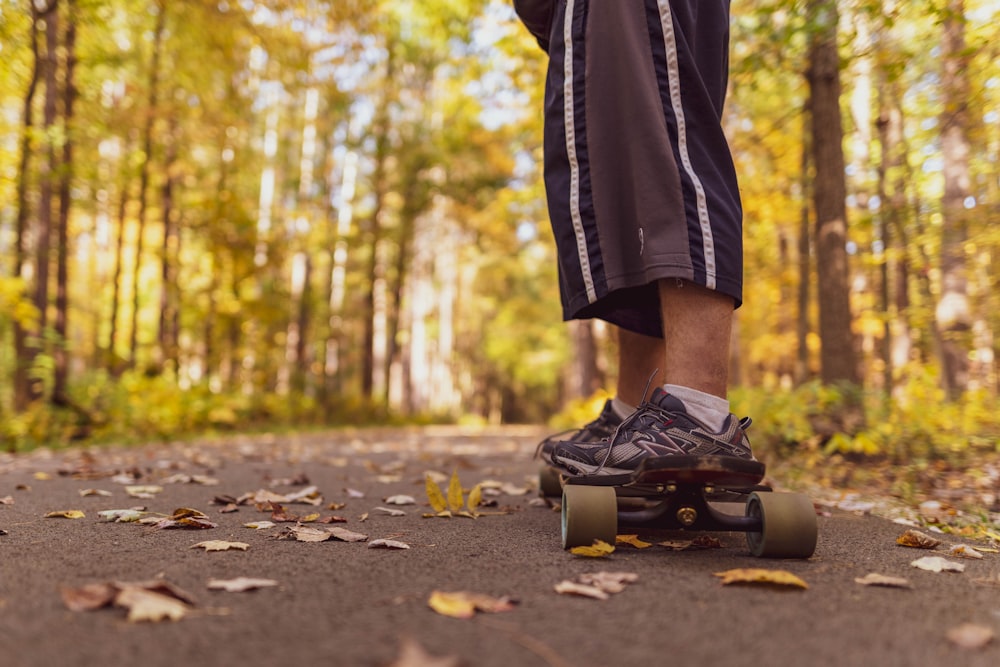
point(638, 174)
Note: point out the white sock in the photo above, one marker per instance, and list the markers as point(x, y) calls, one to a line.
point(621, 408)
point(707, 408)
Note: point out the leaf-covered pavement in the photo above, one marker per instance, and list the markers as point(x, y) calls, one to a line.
point(419, 547)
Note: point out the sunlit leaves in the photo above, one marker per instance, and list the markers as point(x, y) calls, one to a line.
point(150, 601)
point(599, 549)
point(464, 604)
point(761, 577)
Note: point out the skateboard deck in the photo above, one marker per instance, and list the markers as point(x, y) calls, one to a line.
point(683, 493)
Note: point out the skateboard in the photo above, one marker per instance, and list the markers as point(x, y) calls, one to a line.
point(689, 493)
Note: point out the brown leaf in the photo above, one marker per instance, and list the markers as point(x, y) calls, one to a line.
point(345, 535)
point(88, 597)
point(583, 590)
point(307, 534)
point(917, 540)
point(85, 493)
point(609, 582)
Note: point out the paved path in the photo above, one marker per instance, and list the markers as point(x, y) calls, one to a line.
point(340, 603)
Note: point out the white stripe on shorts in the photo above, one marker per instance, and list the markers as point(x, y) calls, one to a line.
point(673, 76)
point(574, 165)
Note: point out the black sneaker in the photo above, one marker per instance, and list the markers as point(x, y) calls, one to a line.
point(660, 427)
point(601, 428)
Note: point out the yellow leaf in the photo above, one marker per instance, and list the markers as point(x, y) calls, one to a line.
point(42, 476)
point(309, 518)
point(633, 540)
point(456, 605)
point(752, 575)
point(146, 605)
point(66, 514)
point(599, 549)
point(475, 498)
point(455, 500)
point(435, 496)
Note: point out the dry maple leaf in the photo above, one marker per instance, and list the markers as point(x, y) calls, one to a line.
point(345, 535)
point(609, 582)
point(761, 576)
point(88, 597)
point(221, 545)
point(260, 525)
point(240, 584)
point(307, 534)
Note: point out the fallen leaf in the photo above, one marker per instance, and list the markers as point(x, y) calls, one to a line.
point(412, 654)
point(221, 545)
point(583, 590)
point(7, 500)
point(345, 535)
point(183, 517)
point(260, 525)
point(307, 534)
point(144, 492)
point(434, 495)
point(599, 549)
point(240, 584)
point(309, 518)
point(387, 544)
point(632, 540)
point(873, 579)
point(84, 493)
point(455, 496)
point(66, 514)
point(149, 606)
point(937, 564)
point(475, 499)
point(609, 582)
point(761, 576)
point(462, 604)
point(676, 545)
point(706, 542)
point(965, 551)
point(88, 597)
point(400, 500)
point(917, 540)
point(354, 493)
point(121, 516)
point(308, 496)
point(336, 506)
point(971, 635)
point(42, 476)
point(390, 511)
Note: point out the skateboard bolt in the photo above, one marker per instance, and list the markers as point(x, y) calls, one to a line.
point(687, 515)
point(671, 488)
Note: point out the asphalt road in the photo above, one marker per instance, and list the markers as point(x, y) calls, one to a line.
point(345, 603)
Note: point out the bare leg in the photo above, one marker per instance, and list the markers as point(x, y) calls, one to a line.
point(638, 357)
point(697, 324)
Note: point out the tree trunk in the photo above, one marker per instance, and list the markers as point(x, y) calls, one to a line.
point(23, 354)
point(838, 356)
point(166, 341)
point(953, 312)
point(147, 148)
point(60, 394)
point(802, 328)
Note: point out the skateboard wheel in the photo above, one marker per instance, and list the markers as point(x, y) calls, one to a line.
point(588, 513)
point(788, 525)
point(549, 482)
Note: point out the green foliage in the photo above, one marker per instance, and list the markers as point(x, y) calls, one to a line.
point(914, 426)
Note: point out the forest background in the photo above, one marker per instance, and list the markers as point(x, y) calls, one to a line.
point(258, 214)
